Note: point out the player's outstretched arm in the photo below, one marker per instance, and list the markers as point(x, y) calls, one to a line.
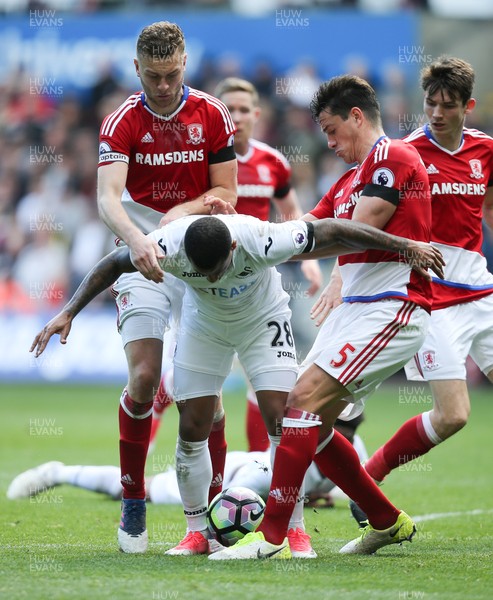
point(106, 272)
point(336, 236)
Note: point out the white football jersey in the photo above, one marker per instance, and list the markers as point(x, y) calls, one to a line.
point(251, 281)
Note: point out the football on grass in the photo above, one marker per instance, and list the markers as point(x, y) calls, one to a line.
point(233, 513)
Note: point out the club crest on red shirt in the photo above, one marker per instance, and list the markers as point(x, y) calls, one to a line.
point(195, 134)
point(476, 168)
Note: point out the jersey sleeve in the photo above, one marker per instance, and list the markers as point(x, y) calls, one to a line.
point(283, 177)
point(277, 242)
point(389, 172)
point(223, 130)
point(325, 207)
point(490, 181)
point(115, 138)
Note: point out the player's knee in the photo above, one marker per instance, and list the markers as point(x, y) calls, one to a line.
point(453, 422)
point(144, 381)
point(193, 426)
point(457, 421)
point(298, 398)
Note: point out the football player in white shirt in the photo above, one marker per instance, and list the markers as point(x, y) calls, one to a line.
point(234, 302)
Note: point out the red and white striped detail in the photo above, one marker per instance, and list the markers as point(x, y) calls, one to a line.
point(377, 344)
point(109, 124)
point(115, 294)
point(300, 419)
point(418, 365)
point(382, 150)
point(228, 121)
point(414, 135)
point(475, 133)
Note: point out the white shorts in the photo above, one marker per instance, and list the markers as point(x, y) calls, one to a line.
point(206, 348)
point(146, 309)
point(455, 333)
point(362, 344)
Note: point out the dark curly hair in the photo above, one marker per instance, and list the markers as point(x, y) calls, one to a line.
point(207, 243)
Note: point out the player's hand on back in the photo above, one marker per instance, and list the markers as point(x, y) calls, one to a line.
point(219, 206)
point(422, 256)
point(61, 324)
point(144, 254)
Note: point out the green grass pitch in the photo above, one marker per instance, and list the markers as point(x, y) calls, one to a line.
point(62, 544)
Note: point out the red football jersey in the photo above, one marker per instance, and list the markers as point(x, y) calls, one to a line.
point(458, 183)
point(263, 174)
point(393, 171)
point(168, 157)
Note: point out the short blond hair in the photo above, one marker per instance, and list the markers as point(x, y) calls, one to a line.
point(236, 84)
point(160, 40)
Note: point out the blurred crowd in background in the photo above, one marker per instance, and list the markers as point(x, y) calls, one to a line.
point(50, 232)
point(240, 6)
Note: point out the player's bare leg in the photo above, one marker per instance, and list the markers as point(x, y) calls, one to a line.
point(135, 416)
point(418, 435)
point(194, 471)
point(316, 398)
point(451, 407)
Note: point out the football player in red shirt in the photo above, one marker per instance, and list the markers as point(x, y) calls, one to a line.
point(161, 152)
point(459, 162)
point(264, 180)
point(379, 326)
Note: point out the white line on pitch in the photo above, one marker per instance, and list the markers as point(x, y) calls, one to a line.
point(433, 516)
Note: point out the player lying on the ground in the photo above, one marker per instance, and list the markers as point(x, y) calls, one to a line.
point(234, 303)
point(245, 469)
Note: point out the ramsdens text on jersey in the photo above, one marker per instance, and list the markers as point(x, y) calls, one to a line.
point(474, 189)
point(185, 156)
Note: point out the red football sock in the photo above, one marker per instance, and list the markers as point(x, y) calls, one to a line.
point(340, 463)
point(257, 437)
point(155, 424)
point(407, 443)
point(217, 450)
point(293, 457)
point(162, 401)
point(135, 428)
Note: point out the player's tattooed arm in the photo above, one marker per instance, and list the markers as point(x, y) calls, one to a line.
point(99, 278)
point(337, 236)
point(106, 272)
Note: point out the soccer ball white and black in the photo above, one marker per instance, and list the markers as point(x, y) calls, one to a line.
point(233, 513)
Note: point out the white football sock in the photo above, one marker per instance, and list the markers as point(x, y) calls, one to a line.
point(194, 474)
point(102, 479)
point(431, 434)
